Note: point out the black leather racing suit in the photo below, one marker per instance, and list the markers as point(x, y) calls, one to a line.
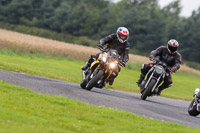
point(172, 60)
point(112, 42)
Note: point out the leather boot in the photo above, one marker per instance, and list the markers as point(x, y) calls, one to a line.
point(88, 64)
point(111, 81)
point(160, 89)
point(85, 66)
point(140, 79)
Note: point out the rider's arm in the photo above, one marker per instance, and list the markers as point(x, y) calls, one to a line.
point(177, 62)
point(157, 52)
point(106, 40)
point(126, 51)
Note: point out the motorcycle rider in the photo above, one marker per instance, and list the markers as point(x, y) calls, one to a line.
point(117, 41)
point(197, 92)
point(167, 54)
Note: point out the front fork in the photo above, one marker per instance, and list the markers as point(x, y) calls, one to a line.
point(149, 79)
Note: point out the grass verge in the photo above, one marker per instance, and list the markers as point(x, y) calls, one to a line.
point(69, 70)
point(22, 110)
point(32, 44)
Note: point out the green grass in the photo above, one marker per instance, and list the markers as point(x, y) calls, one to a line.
point(70, 70)
point(22, 110)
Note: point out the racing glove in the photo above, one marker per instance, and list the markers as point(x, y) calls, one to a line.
point(123, 64)
point(99, 46)
point(151, 58)
point(173, 69)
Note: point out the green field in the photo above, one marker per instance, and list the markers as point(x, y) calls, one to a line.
point(69, 70)
point(22, 110)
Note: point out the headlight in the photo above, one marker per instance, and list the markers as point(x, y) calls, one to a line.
point(159, 69)
point(104, 59)
point(113, 65)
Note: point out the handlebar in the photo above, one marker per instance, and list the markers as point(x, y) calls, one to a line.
point(156, 61)
point(106, 50)
point(100, 48)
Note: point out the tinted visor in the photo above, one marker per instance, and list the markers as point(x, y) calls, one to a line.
point(172, 49)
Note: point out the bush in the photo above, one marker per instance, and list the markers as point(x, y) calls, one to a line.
point(193, 65)
point(85, 41)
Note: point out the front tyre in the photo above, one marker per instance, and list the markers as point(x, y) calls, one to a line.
point(94, 80)
point(147, 91)
point(192, 109)
point(83, 84)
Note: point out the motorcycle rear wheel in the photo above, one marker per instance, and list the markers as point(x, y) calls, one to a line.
point(94, 80)
point(192, 109)
point(147, 91)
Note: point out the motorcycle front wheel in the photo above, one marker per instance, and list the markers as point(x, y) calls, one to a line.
point(94, 80)
point(192, 109)
point(147, 91)
point(83, 84)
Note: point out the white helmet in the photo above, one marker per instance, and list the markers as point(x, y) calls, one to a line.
point(122, 34)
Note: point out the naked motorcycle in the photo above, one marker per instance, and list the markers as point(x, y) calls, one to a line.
point(194, 107)
point(102, 70)
point(155, 77)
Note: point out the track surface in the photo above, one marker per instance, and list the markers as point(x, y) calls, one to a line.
point(159, 108)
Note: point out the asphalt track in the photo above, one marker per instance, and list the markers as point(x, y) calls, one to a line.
point(157, 108)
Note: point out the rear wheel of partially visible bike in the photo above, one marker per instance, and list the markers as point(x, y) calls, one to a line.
point(147, 91)
point(192, 109)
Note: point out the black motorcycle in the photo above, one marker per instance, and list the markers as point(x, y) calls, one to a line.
point(155, 77)
point(194, 107)
point(102, 70)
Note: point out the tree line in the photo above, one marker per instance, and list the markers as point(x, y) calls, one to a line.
point(150, 25)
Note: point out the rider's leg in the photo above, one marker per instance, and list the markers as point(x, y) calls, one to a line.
point(167, 83)
point(111, 81)
point(144, 70)
point(91, 59)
